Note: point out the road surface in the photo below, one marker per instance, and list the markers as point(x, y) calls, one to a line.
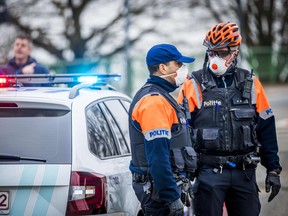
point(278, 96)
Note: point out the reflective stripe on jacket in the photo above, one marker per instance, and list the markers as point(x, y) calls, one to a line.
point(159, 134)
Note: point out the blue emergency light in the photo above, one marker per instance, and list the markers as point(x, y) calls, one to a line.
point(88, 79)
point(73, 79)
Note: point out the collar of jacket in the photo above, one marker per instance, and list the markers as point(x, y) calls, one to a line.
point(12, 62)
point(166, 85)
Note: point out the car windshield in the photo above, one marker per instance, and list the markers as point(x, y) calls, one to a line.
point(36, 133)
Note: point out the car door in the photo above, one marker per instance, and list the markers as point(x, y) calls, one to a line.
point(109, 140)
point(35, 158)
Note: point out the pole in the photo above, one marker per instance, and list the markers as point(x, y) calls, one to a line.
point(128, 87)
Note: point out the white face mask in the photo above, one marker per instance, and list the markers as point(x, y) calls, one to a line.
point(218, 65)
point(180, 75)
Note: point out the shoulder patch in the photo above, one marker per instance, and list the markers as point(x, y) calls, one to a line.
point(157, 133)
point(267, 113)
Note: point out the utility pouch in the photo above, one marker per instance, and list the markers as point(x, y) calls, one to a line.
point(176, 160)
point(246, 136)
point(243, 114)
point(209, 139)
point(190, 158)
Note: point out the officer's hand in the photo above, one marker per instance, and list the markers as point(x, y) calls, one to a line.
point(176, 208)
point(272, 180)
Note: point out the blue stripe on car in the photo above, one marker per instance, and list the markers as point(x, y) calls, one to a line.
point(23, 193)
point(46, 191)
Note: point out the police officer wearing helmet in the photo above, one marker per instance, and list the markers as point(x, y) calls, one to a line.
point(160, 140)
point(233, 129)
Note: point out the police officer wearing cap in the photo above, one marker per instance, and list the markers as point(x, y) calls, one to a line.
point(234, 128)
point(160, 140)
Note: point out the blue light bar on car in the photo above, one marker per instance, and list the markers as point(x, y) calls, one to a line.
point(60, 78)
point(98, 78)
point(87, 79)
point(103, 78)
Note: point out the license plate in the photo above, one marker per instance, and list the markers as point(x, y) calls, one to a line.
point(4, 202)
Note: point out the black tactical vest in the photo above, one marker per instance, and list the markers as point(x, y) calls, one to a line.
point(182, 155)
point(225, 124)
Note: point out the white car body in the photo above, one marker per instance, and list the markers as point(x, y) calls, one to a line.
point(35, 187)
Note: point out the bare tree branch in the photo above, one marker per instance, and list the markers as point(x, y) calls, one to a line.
point(121, 48)
point(215, 13)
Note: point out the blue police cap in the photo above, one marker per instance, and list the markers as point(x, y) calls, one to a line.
point(162, 53)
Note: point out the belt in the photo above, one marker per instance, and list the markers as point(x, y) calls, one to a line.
point(231, 161)
point(140, 178)
point(213, 159)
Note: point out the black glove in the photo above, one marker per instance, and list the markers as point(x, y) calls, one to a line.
point(272, 180)
point(176, 208)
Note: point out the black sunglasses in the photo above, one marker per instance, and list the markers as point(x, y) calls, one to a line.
point(221, 54)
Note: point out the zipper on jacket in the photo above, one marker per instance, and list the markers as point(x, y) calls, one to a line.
point(223, 79)
point(227, 119)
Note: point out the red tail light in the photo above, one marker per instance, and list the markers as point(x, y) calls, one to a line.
point(88, 194)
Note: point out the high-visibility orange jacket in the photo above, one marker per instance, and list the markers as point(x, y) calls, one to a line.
point(155, 117)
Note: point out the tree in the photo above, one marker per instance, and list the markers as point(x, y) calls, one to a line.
point(72, 30)
point(60, 29)
point(264, 27)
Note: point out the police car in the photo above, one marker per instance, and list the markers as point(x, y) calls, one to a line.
point(64, 150)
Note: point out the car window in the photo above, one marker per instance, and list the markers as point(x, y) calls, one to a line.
point(100, 137)
point(118, 117)
point(126, 104)
point(36, 133)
